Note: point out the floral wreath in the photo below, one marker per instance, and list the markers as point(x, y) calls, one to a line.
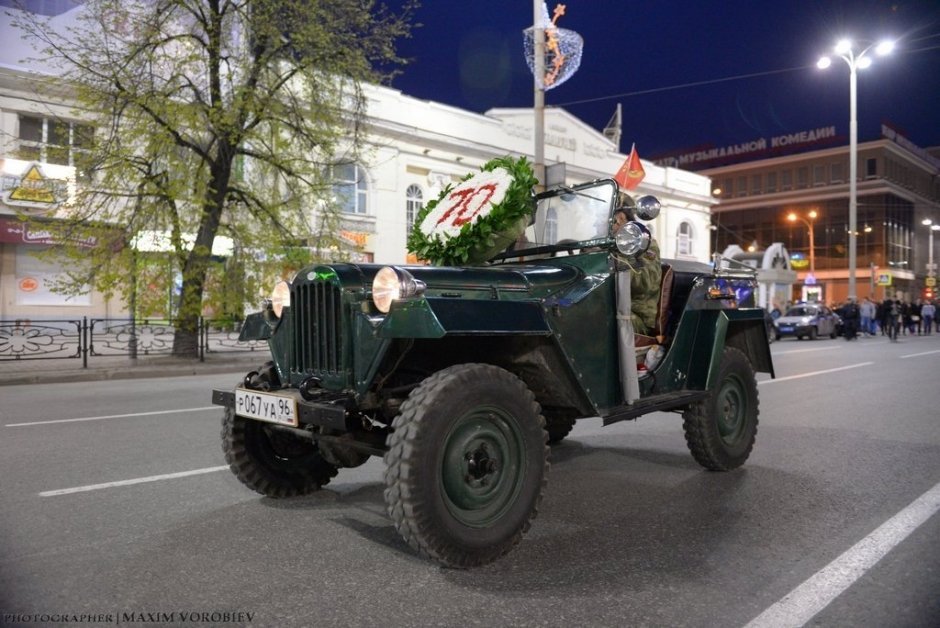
point(481, 216)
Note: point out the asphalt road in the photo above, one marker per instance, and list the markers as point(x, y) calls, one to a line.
point(833, 521)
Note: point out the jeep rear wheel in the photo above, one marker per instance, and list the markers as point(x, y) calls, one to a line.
point(720, 430)
point(271, 461)
point(466, 465)
point(558, 426)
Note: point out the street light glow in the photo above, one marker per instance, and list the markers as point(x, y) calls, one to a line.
point(823, 63)
point(864, 62)
point(926, 221)
point(843, 46)
point(884, 48)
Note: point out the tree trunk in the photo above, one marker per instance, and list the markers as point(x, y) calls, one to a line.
point(186, 336)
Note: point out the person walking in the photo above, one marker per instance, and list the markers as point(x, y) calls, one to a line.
point(850, 316)
point(928, 312)
point(915, 316)
point(893, 318)
point(867, 311)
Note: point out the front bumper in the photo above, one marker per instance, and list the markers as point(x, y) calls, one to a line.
point(331, 413)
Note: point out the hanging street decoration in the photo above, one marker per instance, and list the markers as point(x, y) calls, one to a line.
point(562, 49)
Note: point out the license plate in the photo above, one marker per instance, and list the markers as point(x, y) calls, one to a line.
point(786, 328)
point(266, 407)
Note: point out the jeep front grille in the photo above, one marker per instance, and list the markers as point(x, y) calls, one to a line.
point(318, 328)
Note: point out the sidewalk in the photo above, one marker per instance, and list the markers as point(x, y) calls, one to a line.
point(61, 370)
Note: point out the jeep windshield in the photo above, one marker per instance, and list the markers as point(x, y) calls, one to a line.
point(568, 217)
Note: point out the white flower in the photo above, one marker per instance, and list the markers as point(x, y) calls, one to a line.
point(469, 202)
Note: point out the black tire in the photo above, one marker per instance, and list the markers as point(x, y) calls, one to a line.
point(466, 465)
point(272, 462)
point(777, 336)
point(812, 333)
point(558, 427)
point(720, 430)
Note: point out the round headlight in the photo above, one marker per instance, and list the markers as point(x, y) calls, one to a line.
point(632, 239)
point(392, 283)
point(386, 287)
point(280, 297)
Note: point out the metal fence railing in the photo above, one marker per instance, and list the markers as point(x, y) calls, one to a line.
point(87, 338)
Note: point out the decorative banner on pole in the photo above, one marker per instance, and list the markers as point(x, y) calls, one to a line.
point(562, 50)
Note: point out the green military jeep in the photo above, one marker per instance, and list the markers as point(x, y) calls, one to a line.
point(460, 377)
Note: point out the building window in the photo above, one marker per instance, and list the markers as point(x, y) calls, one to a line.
point(819, 174)
point(742, 186)
point(755, 184)
point(727, 190)
point(771, 181)
point(871, 168)
point(414, 201)
point(53, 141)
point(349, 188)
point(684, 239)
point(802, 177)
point(786, 180)
point(836, 173)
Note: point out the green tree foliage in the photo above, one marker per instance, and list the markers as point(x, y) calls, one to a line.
point(213, 117)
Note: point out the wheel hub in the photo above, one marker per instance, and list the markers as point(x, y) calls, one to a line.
point(480, 466)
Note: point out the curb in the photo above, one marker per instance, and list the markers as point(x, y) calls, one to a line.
point(183, 369)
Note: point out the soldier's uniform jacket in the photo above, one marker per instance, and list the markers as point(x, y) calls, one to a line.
point(645, 278)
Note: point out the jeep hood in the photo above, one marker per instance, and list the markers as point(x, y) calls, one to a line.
point(514, 278)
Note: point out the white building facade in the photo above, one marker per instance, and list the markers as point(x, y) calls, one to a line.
point(418, 147)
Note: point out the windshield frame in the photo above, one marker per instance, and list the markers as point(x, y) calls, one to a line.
point(594, 200)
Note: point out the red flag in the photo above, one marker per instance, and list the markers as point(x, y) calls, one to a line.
point(631, 172)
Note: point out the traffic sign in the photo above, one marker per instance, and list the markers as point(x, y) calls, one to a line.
point(930, 282)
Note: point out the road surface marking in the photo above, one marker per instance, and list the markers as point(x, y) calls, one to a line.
point(915, 355)
point(114, 416)
point(151, 478)
point(804, 602)
point(841, 368)
point(804, 350)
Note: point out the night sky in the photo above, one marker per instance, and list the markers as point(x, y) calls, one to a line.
point(470, 55)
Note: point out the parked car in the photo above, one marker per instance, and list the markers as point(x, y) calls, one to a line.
point(807, 320)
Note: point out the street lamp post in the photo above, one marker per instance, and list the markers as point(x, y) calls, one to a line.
point(855, 62)
point(931, 269)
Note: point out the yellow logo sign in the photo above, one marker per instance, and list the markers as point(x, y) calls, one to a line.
point(33, 188)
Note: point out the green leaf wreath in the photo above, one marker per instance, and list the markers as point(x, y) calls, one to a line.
point(480, 239)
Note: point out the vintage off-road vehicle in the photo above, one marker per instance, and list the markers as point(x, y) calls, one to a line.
point(461, 376)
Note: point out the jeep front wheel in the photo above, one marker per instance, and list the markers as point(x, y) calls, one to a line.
point(720, 430)
point(466, 465)
point(271, 461)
